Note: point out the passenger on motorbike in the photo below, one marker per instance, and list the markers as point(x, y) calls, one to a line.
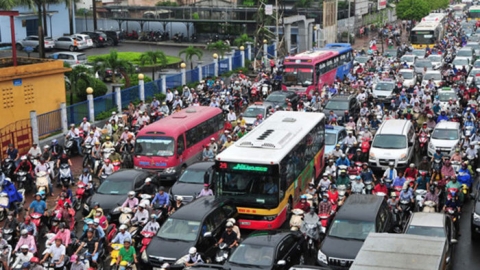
point(23, 256)
point(121, 235)
point(303, 204)
point(26, 240)
point(193, 258)
point(152, 225)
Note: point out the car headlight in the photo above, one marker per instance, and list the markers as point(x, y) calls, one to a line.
point(476, 217)
point(371, 156)
point(430, 145)
point(144, 256)
point(403, 157)
point(269, 218)
point(322, 257)
point(170, 170)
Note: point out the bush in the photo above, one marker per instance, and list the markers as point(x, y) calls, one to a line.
point(134, 80)
point(99, 88)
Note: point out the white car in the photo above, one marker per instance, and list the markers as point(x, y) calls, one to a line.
point(471, 76)
point(446, 136)
point(409, 77)
point(432, 74)
point(85, 38)
point(436, 60)
point(445, 94)
point(459, 62)
point(383, 90)
point(409, 59)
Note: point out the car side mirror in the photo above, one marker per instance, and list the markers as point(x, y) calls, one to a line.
point(282, 262)
point(208, 234)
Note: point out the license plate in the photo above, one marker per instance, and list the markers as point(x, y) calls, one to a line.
point(245, 223)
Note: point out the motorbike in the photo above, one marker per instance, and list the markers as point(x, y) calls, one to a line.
point(437, 164)
point(404, 213)
point(116, 165)
point(222, 253)
point(368, 186)
point(7, 254)
point(65, 175)
point(423, 142)
point(87, 152)
point(8, 167)
point(80, 196)
point(146, 239)
point(114, 254)
point(8, 235)
point(342, 190)
point(37, 220)
point(296, 220)
point(453, 213)
point(127, 160)
point(429, 207)
point(126, 214)
point(42, 184)
point(419, 198)
point(70, 147)
point(22, 180)
point(457, 165)
point(265, 90)
point(311, 229)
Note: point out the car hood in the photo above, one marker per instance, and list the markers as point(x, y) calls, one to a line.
point(339, 113)
point(443, 143)
point(341, 248)
point(159, 247)
point(382, 93)
point(249, 120)
point(476, 207)
point(186, 190)
point(383, 153)
point(108, 202)
point(270, 104)
point(231, 266)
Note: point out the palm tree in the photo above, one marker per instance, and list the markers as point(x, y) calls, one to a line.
point(78, 73)
point(153, 58)
point(190, 52)
point(242, 40)
point(219, 46)
point(111, 61)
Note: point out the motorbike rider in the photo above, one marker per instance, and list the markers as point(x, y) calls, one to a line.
point(357, 156)
point(26, 240)
point(357, 186)
point(56, 149)
point(44, 167)
point(406, 194)
point(22, 257)
point(331, 168)
point(86, 179)
point(63, 233)
point(46, 154)
point(411, 172)
point(164, 109)
point(423, 182)
point(25, 166)
point(74, 134)
point(380, 188)
point(141, 215)
point(399, 181)
point(325, 182)
point(343, 179)
point(57, 253)
point(131, 201)
point(193, 258)
point(126, 255)
point(95, 155)
point(464, 176)
point(471, 152)
point(333, 194)
point(303, 204)
point(349, 141)
point(152, 225)
point(76, 263)
point(162, 199)
point(5, 249)
point(337, 152)
point(447, 168)
point(367, 174)
point(34, 151)
point(121, 235)
point(393, 201)
point(342, 160)
point(228, 236)
point(95, 208)
point(325, 205)
point(432, 196)
point(64, 159)
point(108, 144)
point(107, 168)
point(148, 188)
point(91, 243)
point(11, 222)
point(391, 172)
point(452, 202)
point(456, 156)
point(91, 139)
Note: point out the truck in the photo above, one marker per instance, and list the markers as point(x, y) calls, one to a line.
point(402, 251)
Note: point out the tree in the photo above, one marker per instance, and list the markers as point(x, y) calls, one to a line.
point(190, 52)
point(303, 4)
point(412, 9)
point(79, 73)
point(242, 40)
point(153, 58)
point(111, 61)
point(219, 46)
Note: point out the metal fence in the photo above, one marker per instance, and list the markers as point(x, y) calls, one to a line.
point(77, 111)
point(129, 94)
point(271, 51)
point(192, 75)
point(236, 61)
point(104, 103)
point(223, 66)
point(208, 70)
point(49, 122)
point(152, 88)
point(19, 134)
point(174, 80)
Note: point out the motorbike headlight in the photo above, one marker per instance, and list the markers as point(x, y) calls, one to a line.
point(322, 257)
point(144, 256)
point(170, 170)
point(403, 157)
point(476, 217)
point(85, 206)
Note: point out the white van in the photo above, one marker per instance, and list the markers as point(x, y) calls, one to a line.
point(394, 142)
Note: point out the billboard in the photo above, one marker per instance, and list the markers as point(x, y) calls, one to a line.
point(382, 4)
point(361, 7)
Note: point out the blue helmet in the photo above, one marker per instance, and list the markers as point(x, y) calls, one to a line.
point(54, 141)
point(303, 197)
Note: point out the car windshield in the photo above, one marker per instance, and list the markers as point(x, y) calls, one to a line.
point(253, 255)
point(445, 134)
point(426, 231)
point(474, 72)
point(298, 76)
point(351, 229)
point(459, 62)
point(252, 112)
point(336, 105)
point(361, 59)
point(81, 57)
point(250, 188)
point(422, 64)
point(473, 46)
point(445, 96)
point(192, 176)
point(408, 75)
point(435, 58)
point(154, 146)
point(476, 64)
point(276, 97)
point(384, 86)
point(330, 138)
point(419, 53)
point(389, 141)
point(464, 53)
point(116, 187)
point(180, 230)
point(407, 58)
point(434, 76)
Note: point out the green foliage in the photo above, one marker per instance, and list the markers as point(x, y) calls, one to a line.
point(105, 114)
point(412, 9)
point(189, 53)
point(166, 4)
point(242, 40)
point(438, 4)
point(153, 59)
point(219, 46)
point(303, 4)
point(249, 3)
point(132, 57)
point(99, 88)
point(134, 80)
point(195, 16)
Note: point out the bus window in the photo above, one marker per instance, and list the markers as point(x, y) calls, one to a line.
point(323, 67)
point(191, 137)
point(180, 144)
point(329, 65)
point(335, 61)
point(219, 122)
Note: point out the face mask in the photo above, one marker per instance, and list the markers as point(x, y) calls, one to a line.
point(324, 200)
point(10, 217)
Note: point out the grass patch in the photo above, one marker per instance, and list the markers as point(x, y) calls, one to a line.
point(133, 57)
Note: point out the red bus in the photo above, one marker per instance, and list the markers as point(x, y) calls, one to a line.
point(171, 144)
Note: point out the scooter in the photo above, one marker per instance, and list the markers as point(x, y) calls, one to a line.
point(4, 200)
point(296, 220)
point(419, 198)
point(42, 184)
point(368, 186)
point(8, 167)
point(114, 254)
point(37, 220)
point(70, 147)
point(405, 212)
point(65, 175)
point(125, 216)
point(87, 151)
point(342, 190)
point(265, 90)
point(222, 253)
point(423, 142)
point(116, 165)
point(147, 238)
point(79, 194)
point(311, 228)
point(22, 179)
point(429, 207)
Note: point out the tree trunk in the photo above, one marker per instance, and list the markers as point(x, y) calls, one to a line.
point(70, 17)
point(153, 73)
point(44, 6)
point(94, 9)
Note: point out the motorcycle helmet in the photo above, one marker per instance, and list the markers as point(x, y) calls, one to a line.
point(73, 258)
point(303, 197)
point(107, 138)
point(192, 251)
point(24, 247)
point(24, 232)
point(35, 260)
point(131, 194)
point(333, 186)
point(393, 194)
point(23, 158)
point(229, 225)
point(61, 226)
point(54, 142)
point(96, 204)
point(123, 227)
point(127, 240)
point(153, 216)
point(232, 220)
point(85, 170)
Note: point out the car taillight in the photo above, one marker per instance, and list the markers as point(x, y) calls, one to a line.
point(100, 38)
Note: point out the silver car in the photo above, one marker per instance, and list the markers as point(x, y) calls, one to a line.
point(70, 43)
point(85, 38)
point(421, 64)
point(33, 42)
point(71, 58)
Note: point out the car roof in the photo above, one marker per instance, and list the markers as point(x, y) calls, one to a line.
point(307, 267)
point(465, 49)
point(333, 129)
point(198, 209)
point(128, 174)
point(428, 219)
point(266, 238)
point(393, 126)
point(70, 53)
point(355, 207)
point(283, 93)
point(433, 71)
point(448, 125)
point(203, 165)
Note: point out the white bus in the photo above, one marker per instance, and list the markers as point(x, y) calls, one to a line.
point(430, 30)
point(267, 170)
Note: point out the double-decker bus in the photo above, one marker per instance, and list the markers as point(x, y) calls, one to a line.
point(474, 13)
point(266, 171)
point(309, 71)
point(171, 144)
point(430, 30)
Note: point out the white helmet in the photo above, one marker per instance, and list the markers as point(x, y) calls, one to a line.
point(229, 224)
point(192, 250)
point(23, 158)
point(232, 220)
point(131, 193)
point(123, 227)
point(143, 205)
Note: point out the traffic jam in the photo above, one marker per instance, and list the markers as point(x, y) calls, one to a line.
point(336, 158)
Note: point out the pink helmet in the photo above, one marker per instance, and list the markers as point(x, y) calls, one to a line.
point(73, 258)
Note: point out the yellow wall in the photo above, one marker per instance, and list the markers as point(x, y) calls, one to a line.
point(38, 86)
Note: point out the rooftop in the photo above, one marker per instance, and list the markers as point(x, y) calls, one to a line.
point(29, 66)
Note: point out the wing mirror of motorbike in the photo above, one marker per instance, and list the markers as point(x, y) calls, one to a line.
point(454, 241)
point(208, 234)
point(282, 262)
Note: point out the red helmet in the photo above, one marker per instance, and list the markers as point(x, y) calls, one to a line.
point(27, 218)
point(34, 260)
point(106, 160)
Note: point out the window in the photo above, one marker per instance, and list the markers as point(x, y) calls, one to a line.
point(203, 130)
point(218, 218)
point(180, 144)
point(322, 67)
point(329, 64)
point(228, 209)
point(284, 247)
point(343, 59)
point(336, 61)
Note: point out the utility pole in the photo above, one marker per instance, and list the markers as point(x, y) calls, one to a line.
point(348, 23)
point(276, 32)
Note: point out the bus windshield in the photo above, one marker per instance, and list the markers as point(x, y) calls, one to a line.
point(155, 146)
point(249, 185)
point(474, 14)
point(422, 37)
point(298, 76)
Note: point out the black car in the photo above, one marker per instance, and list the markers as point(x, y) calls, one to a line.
point(192, 180)
point(113, 191)
point(307, 267)
point(359, 215)
point(475, 218)
point(278, 98)
point(198, 224)
point(113, 37)
point(99, 39)
point(340, 104)
point(267, 250)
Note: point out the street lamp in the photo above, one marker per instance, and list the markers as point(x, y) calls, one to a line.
point(50, 15)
